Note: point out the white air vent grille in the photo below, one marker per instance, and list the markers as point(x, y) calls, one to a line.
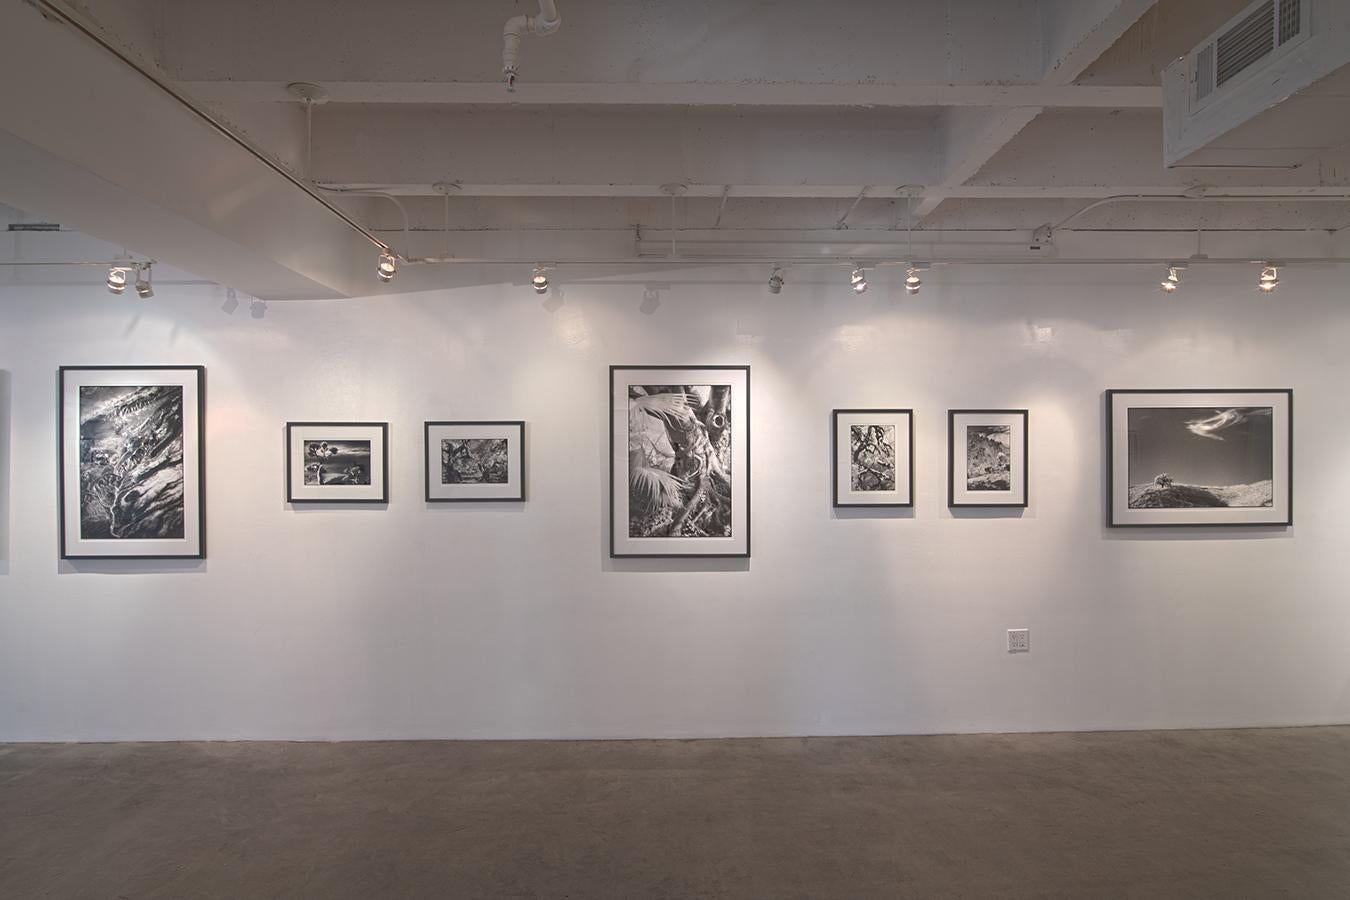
point(1255, 36)
point(1270, 51)
point(1204, 72)
point(1290, 19)
point(1245, 43)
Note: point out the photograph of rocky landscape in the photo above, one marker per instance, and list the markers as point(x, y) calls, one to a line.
point(474, 461)
point(131, 461)
point(988, 457)
point(1182, 457)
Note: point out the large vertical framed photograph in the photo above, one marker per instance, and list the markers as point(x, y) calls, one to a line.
point(133, 465)
point(468, 461)
point(679, 461)
point(987, 458)
point(872, 457)
point(337, 462)
point(1200, 457)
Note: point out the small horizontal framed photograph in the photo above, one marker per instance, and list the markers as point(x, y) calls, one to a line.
point(475, 461)
point(873, 457)
point(133, 464)
point(337, 462)
point(987, 457)
point(679, 461)
point(1200, 457)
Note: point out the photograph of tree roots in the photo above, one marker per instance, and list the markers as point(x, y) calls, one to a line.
point(872, 455)
point(679, 460)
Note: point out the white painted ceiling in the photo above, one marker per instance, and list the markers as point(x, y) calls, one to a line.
point(995, 116)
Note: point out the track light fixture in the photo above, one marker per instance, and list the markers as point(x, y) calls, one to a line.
point(387, 267)
point(776, 280)
point(117, 278)
point(1172, 280)
point(858, 280)
point(539, 280)
point(143, 286)
point(1270, 278)
point(912, 280)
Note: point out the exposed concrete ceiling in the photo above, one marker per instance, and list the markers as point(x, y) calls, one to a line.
point(982, 116)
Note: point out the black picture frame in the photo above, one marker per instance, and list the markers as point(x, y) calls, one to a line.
point(951, 458)
point(613, 487)
point(518, 424)
point(1111, 509)
point(384, 473)
point(200, 373)
point(834, 457)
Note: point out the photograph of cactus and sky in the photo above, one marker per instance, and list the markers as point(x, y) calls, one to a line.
point(1182, 457)
point(337, 462)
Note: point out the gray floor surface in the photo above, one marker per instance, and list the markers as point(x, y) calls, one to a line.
point(1251, 813)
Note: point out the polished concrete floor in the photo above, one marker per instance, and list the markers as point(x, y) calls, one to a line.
point(1146, 814)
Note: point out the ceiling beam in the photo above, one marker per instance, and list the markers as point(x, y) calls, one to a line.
point(1075, 33)
point(98, 144)
point(550, 152)
point(38, 181)
point(846, 191)
point(788, 42)
point(788, 95)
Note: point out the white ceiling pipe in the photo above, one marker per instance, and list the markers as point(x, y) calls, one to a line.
point(1340, 197)
point(547, 22)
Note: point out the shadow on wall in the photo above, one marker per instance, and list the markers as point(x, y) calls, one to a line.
point(130, 566)
point(4, 471)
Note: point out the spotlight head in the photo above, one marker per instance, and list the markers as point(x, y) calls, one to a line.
point(387, 267)
point(912, 280)
point(539, 280)
point(1172, 280)
point(776, 280)
point(117, 278)
point(1270, 278)
point(143, 286)
point(858, 280)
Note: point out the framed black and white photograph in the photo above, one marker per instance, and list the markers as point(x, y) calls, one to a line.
point(133, 467)
point(337, 462)
point(987, 457)
point(1201, 457)
point(475, 461)
point(679, 461)
point(872, 457)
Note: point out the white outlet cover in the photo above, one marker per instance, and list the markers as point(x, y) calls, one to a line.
point(1019, 640)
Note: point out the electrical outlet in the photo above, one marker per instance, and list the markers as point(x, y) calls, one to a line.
point(1019, 640)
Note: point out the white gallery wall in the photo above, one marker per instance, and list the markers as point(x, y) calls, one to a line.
point(507, 620)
